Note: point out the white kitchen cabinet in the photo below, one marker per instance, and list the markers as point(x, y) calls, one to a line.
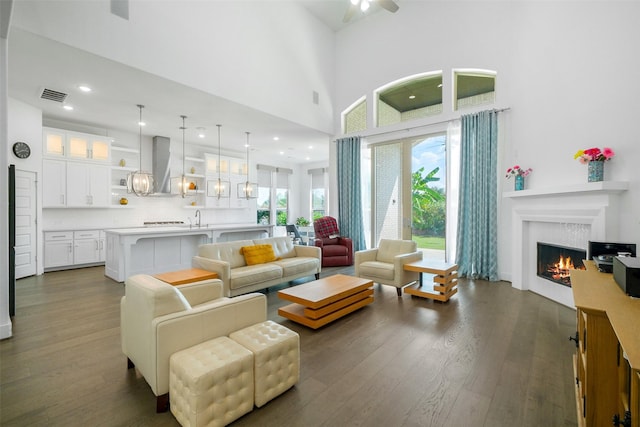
point(87, 185)
point(54, 142)
point(69, 249)
point(102, 247)
point(238, 167)
point(211, 165)
point(86, 247)
point(74, 145)
point(54, 184)
point(88, 147)
point(58, 249)
point(233, 171)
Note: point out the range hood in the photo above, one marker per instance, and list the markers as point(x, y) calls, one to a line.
point(161, 155)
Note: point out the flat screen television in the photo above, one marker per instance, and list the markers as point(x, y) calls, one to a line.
point(602, 253)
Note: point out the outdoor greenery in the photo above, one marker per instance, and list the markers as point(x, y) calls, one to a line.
point(428, 205)
point(281, 217)
point(430, 242)
point(302, 221)
point(264, 217)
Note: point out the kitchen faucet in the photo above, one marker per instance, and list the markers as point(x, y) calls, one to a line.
point(198, 217)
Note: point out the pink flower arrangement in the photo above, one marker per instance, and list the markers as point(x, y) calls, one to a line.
point(517, 170)
point(594, 155)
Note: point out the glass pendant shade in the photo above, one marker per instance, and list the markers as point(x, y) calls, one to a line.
point(140, 182)
point(219, 188)
point(248, 190)
point(180, 185)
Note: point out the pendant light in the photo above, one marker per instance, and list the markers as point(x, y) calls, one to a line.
point(248, 190)
point(140, 182)
point(221, 188)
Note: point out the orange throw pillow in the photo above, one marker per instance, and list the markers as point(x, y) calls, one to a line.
point(258, 254)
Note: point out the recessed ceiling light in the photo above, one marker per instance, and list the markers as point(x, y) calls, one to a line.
point(311, 147)
point(84, 88)
point(201, 133)
point(142, 124)
point(68, 107)
point(412, 97)
point(282, 153)
point(276, 138)
point(307, 158)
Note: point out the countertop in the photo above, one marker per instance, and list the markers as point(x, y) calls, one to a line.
point(185, 229)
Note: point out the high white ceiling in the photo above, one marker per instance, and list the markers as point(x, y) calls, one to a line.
point(36, 63)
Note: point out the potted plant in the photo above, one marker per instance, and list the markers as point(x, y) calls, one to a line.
point(302, 221)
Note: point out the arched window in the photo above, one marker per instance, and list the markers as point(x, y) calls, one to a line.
point(354, 118)
point(473, 87)
point(410, 98)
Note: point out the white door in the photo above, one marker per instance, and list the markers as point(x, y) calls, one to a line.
point(25, 224)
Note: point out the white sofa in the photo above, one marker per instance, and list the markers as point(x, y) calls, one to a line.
point(239, 278)
point(157, 320)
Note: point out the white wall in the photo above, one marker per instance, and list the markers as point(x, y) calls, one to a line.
point(564, 69)
point(270, 56)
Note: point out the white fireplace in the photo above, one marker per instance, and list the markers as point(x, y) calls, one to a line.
point(568, 216)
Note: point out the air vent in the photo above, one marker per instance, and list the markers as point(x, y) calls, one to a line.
point(53, 95)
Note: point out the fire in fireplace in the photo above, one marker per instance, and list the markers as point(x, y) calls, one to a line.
point(556, 262)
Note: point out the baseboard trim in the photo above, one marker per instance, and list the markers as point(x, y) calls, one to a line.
point(6, 331)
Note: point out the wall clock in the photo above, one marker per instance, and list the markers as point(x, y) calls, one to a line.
point(21, 150)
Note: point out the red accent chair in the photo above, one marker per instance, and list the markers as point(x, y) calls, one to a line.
point(336, 250)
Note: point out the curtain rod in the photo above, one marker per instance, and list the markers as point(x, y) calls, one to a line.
point(495, 110)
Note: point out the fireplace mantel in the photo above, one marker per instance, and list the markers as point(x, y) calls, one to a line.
point(543, 214)
point(564, 190)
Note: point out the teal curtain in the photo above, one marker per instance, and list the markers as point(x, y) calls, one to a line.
point(477, 242)
point(349, 191)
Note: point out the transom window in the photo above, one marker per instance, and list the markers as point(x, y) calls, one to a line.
point(420, 96)
point(474, 87)
point(354, 118)
point(409, 99)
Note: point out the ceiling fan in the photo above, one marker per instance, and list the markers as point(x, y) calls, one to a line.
point(363, 5)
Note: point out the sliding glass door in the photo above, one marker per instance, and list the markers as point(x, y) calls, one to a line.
point(428, 195)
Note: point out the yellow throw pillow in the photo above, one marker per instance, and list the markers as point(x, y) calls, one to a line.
point(258, 254)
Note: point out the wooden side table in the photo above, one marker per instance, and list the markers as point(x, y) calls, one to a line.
point(189, 275)
point(444, 282)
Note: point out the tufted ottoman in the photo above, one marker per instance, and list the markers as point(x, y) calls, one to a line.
point(276, 355)
point(211, 383)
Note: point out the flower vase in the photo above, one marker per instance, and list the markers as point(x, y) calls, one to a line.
point(596, 171)
point(519, 185)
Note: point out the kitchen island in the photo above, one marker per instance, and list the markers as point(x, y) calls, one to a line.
point(151, 250)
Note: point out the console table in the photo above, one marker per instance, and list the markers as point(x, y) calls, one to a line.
point(607, 359)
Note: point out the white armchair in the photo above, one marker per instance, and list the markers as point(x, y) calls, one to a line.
point(157, 319)
point(384, 264)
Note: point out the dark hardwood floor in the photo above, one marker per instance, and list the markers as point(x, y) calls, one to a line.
point(492, 356)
